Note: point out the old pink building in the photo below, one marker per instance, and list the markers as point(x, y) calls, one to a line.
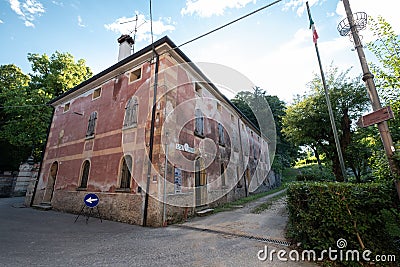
point(153, 138)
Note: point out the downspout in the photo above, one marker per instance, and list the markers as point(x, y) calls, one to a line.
point(241, 154)
point(42, 157)
point(151, 143)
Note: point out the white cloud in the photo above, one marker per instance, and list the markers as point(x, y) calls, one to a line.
point(1, 22)
point(127, 26)
point(208, 8)
point(28, 10)
point(58, 3)
point(300, 5)
point(80, 23)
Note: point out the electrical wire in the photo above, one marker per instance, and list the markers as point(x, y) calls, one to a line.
point(229, 23)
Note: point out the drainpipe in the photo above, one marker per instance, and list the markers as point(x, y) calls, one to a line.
point(165, 183)
point(151, 144)
point(241, 153)
point(42, 157)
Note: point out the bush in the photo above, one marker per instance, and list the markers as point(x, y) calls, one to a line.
point(322, 213)
point(314, 173)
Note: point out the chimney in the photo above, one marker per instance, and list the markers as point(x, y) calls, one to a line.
point(125, 46)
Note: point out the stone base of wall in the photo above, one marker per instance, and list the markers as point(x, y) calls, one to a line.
point(7, 184)
point(119, 207)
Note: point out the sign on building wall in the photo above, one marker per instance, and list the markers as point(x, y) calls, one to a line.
point(178, 180)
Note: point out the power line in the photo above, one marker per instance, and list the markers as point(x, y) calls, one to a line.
point(229, 23)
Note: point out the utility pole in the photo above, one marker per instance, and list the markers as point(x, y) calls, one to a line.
point(368, 78)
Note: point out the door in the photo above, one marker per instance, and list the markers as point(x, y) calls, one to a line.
point(48, 195)
point(200, 180)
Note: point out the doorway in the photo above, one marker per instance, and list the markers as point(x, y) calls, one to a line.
point(200, 180)
point(48, 195)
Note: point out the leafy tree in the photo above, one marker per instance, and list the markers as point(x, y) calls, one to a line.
point(249, 103)
point(307, 121)
point(386, 48)
point(12, 82)
point(26, 116)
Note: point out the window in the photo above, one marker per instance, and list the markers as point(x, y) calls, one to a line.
point(66, 107)
point(221, 136)
point(223, 182)
point(200, 173)
point(96, 93)
point(135, 75)
point(126, 168)
point(198, 89)
point(91, 124)
point(199, 123)
point(131, 113)
point(85, 174)
point(219, 107)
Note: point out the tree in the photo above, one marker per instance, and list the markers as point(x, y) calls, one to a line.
point(386, 48)
point(26, 113)
point(307, 121)
point(12, 82)
point(249, 103)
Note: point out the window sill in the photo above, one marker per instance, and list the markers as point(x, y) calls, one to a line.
point(199, 135)
point(123, 190)
point(89, 137)
point(81, 189)
point(129, 127)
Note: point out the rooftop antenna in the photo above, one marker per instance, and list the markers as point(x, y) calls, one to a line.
point(134, 31)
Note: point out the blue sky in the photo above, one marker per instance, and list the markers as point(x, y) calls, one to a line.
point(273, 48)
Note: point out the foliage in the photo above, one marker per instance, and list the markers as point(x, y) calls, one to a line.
point(314, 172)
point(249, 103)
point(363, 214)
point(25, 116)
point(307, 121)
point(386, 48)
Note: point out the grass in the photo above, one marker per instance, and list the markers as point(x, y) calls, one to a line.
point(267, 204)
point(235, 204)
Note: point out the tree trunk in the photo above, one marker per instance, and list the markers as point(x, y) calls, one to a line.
point(337, 171)
point(317, 156)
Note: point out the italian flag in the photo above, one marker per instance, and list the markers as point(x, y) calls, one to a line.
point(314, 31)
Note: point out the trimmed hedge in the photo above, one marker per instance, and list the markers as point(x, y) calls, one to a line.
point(322, 213)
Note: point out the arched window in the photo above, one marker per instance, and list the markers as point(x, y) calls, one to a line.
point(131, 112)
point(126, 168)
point(91, 124)
point(85, 174)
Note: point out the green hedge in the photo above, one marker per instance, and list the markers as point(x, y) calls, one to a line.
point(322, 213)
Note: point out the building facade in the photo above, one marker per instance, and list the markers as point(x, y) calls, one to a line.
point(153, 138)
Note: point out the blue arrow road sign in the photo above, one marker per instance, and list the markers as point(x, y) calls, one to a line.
point(91, 200)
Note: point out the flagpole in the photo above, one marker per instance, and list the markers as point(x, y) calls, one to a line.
point(328, 102)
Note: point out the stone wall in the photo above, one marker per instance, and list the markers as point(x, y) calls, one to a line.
point(7, 183)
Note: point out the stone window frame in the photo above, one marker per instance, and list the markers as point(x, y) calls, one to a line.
point(131, 113)
point(199, 123)
point(96, 93)
point(135, 75)
point(221, 134)
point(67, 107)
point(84, 175)
point(125, 174)
point(91, 125)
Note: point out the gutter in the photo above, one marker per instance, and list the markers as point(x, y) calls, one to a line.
point(151, 144)
point(42, 157)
